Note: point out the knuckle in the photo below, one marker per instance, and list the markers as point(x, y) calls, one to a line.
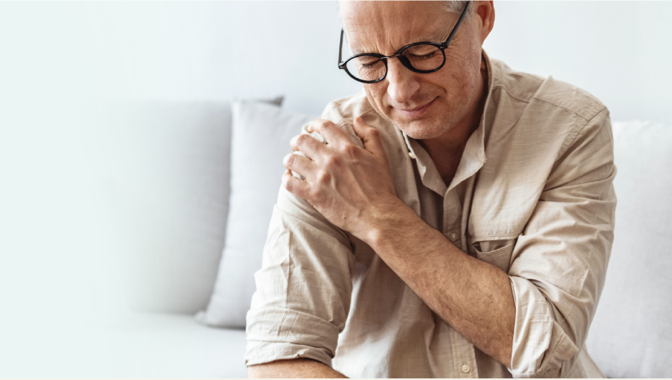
point(324, 123)
point(289, 160)
point(289, 185)
point(332, 161)
point(301, 139)
point(321, 124)
point(350, 150)
point(323, 177)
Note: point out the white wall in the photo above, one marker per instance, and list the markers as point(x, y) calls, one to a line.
point(175, 50)
point(619, 51)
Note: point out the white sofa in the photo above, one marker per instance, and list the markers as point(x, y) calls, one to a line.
point(168, 190)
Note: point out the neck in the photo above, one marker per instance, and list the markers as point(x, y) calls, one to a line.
point(446, 150)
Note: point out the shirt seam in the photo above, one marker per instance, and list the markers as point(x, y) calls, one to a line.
point(581, 130)
point(574, 112)
point(569, 109)
point(510, 94)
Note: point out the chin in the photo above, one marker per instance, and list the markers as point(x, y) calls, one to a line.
point(424, 129)
point(435, 122)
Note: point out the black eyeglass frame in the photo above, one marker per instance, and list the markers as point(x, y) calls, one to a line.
point(404, 60)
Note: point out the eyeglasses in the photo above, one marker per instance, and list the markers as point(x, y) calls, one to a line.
point(419, 57)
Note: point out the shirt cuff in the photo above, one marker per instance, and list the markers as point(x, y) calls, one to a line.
point(279, 334)
point(540, 345)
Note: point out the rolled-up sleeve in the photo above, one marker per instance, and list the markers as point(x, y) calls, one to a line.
point(303, 288)
point(560, 260)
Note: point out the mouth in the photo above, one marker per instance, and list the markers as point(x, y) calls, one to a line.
point(416, 113)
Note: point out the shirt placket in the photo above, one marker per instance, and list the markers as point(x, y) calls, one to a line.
point(453, 222)
point(452, 217)
point(464, 358)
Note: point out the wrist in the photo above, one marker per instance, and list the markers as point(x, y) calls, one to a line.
point(388, 222)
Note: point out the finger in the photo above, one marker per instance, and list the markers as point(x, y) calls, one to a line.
point(370, 137)
point(294, 185)
point(300, 165)
point(331, 132)
point(308, 146)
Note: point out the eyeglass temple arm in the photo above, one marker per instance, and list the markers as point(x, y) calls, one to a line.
point(340, 50)
point(459, 21)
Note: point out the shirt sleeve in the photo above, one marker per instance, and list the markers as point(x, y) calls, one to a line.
point(303, 288)
point(559, 262)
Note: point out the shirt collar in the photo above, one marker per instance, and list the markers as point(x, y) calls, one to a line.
point(473, 157)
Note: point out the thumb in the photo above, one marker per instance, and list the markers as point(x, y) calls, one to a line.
point(370, 137)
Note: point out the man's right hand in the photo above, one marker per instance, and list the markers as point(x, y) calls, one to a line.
point(292, 368)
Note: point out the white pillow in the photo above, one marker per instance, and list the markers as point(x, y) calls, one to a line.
point(167, 181)
point(260, 139)
point(169, 192)
point(631, 334)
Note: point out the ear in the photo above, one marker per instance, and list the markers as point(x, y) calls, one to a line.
point(484, 15)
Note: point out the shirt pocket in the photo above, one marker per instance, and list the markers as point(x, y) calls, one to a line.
point(495, 252)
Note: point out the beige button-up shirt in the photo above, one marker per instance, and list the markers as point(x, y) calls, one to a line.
point(532, 195)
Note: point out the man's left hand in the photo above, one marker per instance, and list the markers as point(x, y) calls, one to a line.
point(350, 186)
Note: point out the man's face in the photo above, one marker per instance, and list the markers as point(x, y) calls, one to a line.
point(424, 106)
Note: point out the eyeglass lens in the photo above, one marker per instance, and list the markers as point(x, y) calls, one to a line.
point(423, 57)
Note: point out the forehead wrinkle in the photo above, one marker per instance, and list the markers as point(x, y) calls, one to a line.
point(370, 31)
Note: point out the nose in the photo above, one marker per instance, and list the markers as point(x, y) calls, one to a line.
point(401, 82)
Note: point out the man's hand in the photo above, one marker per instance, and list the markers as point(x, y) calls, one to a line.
point(350, 186)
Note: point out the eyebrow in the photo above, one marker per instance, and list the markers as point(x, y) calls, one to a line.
point(355, 51)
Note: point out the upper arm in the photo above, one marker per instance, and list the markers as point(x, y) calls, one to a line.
point(303, 288)
point(560, 260)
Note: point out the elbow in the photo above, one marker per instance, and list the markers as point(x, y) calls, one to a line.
point(275, 369)
point(257, 371)
point(555, 360)
point(292, 368)
point(547, 341)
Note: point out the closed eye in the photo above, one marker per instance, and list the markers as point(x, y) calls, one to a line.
point(421, 57)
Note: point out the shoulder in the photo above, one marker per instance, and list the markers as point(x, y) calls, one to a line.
point(554, 97)
point(543, 134)
point(549, 113)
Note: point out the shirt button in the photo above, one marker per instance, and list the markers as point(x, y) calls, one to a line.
point(411, 155)
point(465, 368)
point(453, 237)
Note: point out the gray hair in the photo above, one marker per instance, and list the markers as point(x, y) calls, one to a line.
point(457, 6)
point(452, 6)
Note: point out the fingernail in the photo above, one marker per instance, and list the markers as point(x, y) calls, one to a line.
point(358, 119)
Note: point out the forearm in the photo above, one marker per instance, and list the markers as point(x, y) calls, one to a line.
point(293, 368)
point(472, 296)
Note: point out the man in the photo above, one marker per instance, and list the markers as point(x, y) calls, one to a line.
point(456, 221)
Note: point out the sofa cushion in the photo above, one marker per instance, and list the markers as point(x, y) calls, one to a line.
point(260, 139)
point(631, 334)
point(129, 345)
point(168, 185)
